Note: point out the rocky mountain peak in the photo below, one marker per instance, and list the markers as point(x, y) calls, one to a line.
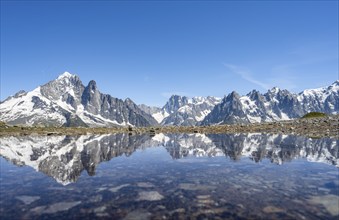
point(181, 110)
point(68, 79)
point(274, 90)
point(91, 98)
point(66, 75)
point(129, 101)
point(65, 101)
point(175, 102)
point(334, 86)
point(66, 87)
point(20, 93)
point(178, 99)
point(254, 95)
point(277, 104)
point(232, 96)
point(92, 85)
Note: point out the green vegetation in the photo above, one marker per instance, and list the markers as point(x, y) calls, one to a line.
point(314, 115)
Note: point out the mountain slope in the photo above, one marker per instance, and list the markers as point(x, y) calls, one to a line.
point(274, 105)
point(181, 110)
point(65, 101)
point(149, 109)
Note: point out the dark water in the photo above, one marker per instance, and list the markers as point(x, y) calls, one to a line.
point(177, 176)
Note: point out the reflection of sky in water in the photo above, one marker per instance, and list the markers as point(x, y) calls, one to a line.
point(185, 176)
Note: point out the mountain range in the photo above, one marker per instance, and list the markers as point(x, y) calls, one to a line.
point(181, 110)
point(65, 101)
point(65, 157)
point(275, 105)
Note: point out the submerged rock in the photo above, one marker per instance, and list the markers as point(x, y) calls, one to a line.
point(28, 199)
point(150, 196)
point(145, 185)
point(100, 209)
point(56, 207)
point(193, 187)
point(116, 189)
point(138, 215)
point(330, 202)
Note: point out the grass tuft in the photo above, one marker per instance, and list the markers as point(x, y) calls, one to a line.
point(314, 115)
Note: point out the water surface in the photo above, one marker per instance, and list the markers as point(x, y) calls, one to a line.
point(174, 176)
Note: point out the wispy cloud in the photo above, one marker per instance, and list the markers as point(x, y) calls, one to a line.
point(246, 75)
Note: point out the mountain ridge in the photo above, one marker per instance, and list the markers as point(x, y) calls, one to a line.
point(181, 110)
point(65, 101)
point(274, 105)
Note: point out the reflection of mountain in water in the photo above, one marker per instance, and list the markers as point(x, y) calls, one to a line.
point(277, 148)
point(65, 157)
point(183, 145)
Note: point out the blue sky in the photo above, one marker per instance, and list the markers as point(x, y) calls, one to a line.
point(147, 50)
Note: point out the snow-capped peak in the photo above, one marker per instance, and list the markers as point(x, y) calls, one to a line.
point(182, 110)
point(65, 75)
point(65, 100)
point(335, 85)
point(274, 90)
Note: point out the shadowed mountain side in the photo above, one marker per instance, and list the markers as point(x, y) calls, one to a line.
point(66, 102)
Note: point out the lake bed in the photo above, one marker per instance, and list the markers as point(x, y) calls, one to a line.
point(172, 176)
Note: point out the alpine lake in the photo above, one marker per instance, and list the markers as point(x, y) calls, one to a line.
point(169, 176)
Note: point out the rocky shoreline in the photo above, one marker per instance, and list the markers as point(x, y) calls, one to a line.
point(312, 127)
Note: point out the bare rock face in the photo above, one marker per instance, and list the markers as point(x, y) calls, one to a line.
point(275, 105)
point(230, 110)
point(184, 111)
point(91, 98)
point(65, 101)
point(149, 109)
